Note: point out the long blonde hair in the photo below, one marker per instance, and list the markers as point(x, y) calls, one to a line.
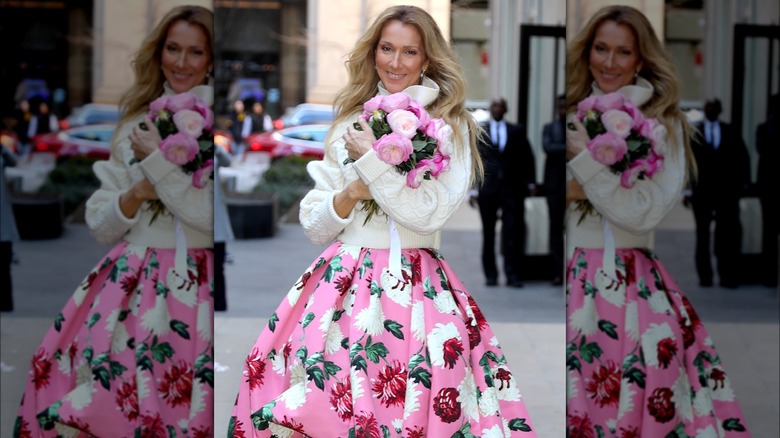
point(442, 67)
point(147, 63)
point(656, 66)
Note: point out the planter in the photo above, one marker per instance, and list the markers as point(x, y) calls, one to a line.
point(38, 217)
point(253, 217)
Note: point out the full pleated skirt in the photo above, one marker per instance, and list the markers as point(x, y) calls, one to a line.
point(639, 361)
point(354, 351)
point(131, 353)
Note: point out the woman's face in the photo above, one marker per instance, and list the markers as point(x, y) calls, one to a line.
point(614, 57)
point(399, 56)
point(185, 56)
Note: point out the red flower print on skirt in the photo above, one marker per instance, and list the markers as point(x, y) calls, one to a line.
point(604, 385)
point(446, 406)
point(254, 369)
point(390, 384)
point(127, 399)
point(660, 404)
point(176, 384)
point(341, 398)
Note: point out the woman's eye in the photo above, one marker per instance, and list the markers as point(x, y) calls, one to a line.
point(411, 52)
point(172, 48)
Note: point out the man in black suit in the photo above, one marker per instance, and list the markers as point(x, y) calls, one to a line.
point(554, 145)
point(510, 176)
point(723, 175)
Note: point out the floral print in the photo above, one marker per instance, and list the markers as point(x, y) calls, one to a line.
point(129, 355)
point(639, 359)
point(355, 352)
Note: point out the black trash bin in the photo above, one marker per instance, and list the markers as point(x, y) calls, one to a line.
point(253, 218)
point(37, 217)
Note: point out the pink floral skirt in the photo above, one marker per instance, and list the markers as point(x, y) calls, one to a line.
point(639, 361)
point(353, 351)
point(131, 354)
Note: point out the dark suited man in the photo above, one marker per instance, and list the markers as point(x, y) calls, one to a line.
point(554, 145)
point(509, 177)
point(723, 175)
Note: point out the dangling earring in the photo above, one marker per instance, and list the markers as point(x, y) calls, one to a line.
point(422, 75)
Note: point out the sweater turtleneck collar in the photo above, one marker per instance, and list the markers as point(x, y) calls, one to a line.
point(204, 92)
point(424, 93)
point(638, 93)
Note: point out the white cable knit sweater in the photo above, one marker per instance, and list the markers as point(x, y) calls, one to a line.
point(632, 213)
point(192, 206)
point(419, 214)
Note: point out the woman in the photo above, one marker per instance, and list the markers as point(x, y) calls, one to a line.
point(640, 361)
point(354, 350)
point(131, 352)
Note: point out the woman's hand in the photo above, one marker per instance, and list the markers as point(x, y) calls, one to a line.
point(358, 142)
point(577, 140)
point(353, 193)
point(144, 142)
point(574, 192)
point(131, 200)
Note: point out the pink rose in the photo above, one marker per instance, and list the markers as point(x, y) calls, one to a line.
point(202, 176)
point(395, 101)
point(370, 106)
point(646, 128)
point(442, 132)
point(393, 149)
point(181, 101)
point(607, 148)
point(586, 104)
point(189, 122)
point(419, 111)
point(609, 101)
point(179, 148)
point(403, 122)
point(636, 171)
point(415, 176)
point(655, 164)
point(658, 137)
point(157, 105)
point(617, 122)
point(208, 115)
point(439, 163)
point(637, 118)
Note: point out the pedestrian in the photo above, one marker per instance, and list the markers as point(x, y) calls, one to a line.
point(8, 232)
point(223, 231)
point(260, 121)
point(768, 147)
point(131, 353)
point(356, 347)
point(22, 117)
point(723, 178)
point(554, 145)
point(239, 126)
point(640, 361)
point(43, 122)
point(510, 176)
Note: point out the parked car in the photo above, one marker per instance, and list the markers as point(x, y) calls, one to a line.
point(91, 114)
point(305, 114)
point(304, 140)
point(92, 141)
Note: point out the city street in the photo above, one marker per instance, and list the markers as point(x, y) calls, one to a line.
point(528, 322)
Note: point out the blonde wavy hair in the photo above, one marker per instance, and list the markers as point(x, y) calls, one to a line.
point(147, 63)
point(656, 66)
point(442, 67)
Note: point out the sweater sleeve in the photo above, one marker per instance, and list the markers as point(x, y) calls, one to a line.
point(103, 216)
point(427, 208)
point(193, 206)
point(640, 208)
point(317, 215)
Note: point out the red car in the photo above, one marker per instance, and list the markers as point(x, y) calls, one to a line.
point(92, 141)
point(304, 140)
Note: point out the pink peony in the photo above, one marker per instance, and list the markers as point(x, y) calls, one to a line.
point(637, 118)
point(658, 137)
point(607, 148)
point(609, 101)
point(158, 105)
point(439, 163)
point(442, 132)
point(415, 176)
point(646, 128)
point(630, 176)
point(371, 106)
point(587, 104)
point(202, 176)
point(403, 122)
point(393, 149)
point(189, 122)
point(655, 164)
point(421, 113)
point(208, 115)
point(181, 101)
point(395, 101)
point(617, 122)
point(179, 148)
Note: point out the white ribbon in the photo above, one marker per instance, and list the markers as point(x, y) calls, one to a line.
point(608, 262)
point(180, 258)
point(394, 264)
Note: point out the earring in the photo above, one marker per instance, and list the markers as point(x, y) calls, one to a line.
point(422, 75)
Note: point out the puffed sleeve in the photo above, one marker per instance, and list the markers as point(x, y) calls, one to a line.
point(317, 215)
point(191, 205)
point(425, 209)
point(105, 220)
point(640, 208)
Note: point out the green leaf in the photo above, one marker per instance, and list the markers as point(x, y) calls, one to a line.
point(608, 327)
point(590, 351)
point(519, 424)
point(421, 375)
point(630, 360)
point(315, 373)
point(206, 375)
point(417, 359)
point(171, 431)
point(430, 292)
point(116, 368)
point(307, 319)
point(88, 353)
point(102, 357)
point(201, 360)
point(93, 319)
point(635, 375)
point(145, 363)
point(644, 291)
point(180, 328)
point(162, 351)
point(302, 353)
point(394, 328)
point(733, 424)
point(355, 349)
point(345, 343)
point(272, 322)
point(313, 359)
point(573, 363)
point(102, 375)
point(58, 322)
point(375, 351)
point(599, 431)
point(330, 368)
point(337, 315)
point(359, 363)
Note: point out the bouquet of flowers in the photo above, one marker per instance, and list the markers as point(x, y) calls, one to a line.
point(186, 126)
point(622, 139)
point(407, 138)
